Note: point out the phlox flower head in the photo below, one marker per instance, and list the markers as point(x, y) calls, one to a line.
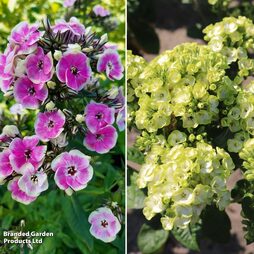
point(104, 224)
point(100, 11)
point(5, 165)
point(24, 151)
point(102, 140)
point(73, 25)
point(98, 115)
point(74, 70)
point(69, 3)
point(28, 94)
point(49, 125)
point(17, 194)
point(72, 170)
point(110, 63)
point(32, 182)
point(39, 66)
point(25, 36)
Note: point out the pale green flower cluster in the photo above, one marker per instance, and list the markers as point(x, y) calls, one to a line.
point(182, 181)
point(247, 154)
point(135, 66)
point(188, 82)
point(221, 2)
point(234, 38)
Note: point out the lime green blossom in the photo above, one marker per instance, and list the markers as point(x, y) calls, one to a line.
point(182, 181)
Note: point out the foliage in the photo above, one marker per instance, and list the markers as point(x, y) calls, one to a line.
point(193, 107)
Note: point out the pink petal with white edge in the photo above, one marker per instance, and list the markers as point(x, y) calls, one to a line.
point(18, 194)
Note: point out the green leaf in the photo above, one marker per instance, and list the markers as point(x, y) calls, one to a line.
point(133, 154)
point(188, 237)
point(135, 196)
point(77, 220)
point(48, 246)
point(216, 224)
point(151, 240)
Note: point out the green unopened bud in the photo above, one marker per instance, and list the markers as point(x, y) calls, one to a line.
point(50, 106)
point(51, 85)
point(10, 131)
point(58, 54)
point(104, 39)
point(79, 118)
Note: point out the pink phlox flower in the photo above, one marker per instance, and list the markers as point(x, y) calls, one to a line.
point(39, 67)
point(72, 170)
point(25, 36)
point(68, 3)
point(101, 141)
point(74, 70)
point(100, 11)
point(49, 125)
point(33, 181)
point(98, 115)
point(104, 224)
point(73, 25)
point(28, 94)
point(17, 194)
point(110, 63)
point(24, 151)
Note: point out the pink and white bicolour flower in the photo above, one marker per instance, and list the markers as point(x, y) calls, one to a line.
point(32, 182)
point(74, 70)
point(39, 67)
point(102, 140)
point(17, 194)
point(73, 25)
point(98, 115)
point(104, 224)
point(73, 170)
point(5, 165)
point(24, 151)
point(100, 11)
point(28, 94)
point(110, 63)
point(25, 36)
point(49, 125)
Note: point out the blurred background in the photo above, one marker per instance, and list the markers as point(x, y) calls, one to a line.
point(153, 27)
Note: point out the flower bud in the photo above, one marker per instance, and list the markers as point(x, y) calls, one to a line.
point(69, 191)
point(88, 31)
point(57, 55)
point(104, 39)
point(74, 48)
point(8, 94)
point(113, 92)
point(51, 85)
point(10, 131)
point(60, 141)
point(79, 118)
point(50, 106)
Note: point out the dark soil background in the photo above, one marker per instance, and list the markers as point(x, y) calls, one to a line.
point(173, 22)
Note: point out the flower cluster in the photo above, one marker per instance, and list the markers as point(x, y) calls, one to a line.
point(233, 37)
point(189, 83)
point(182, 181)
point(56, 71)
